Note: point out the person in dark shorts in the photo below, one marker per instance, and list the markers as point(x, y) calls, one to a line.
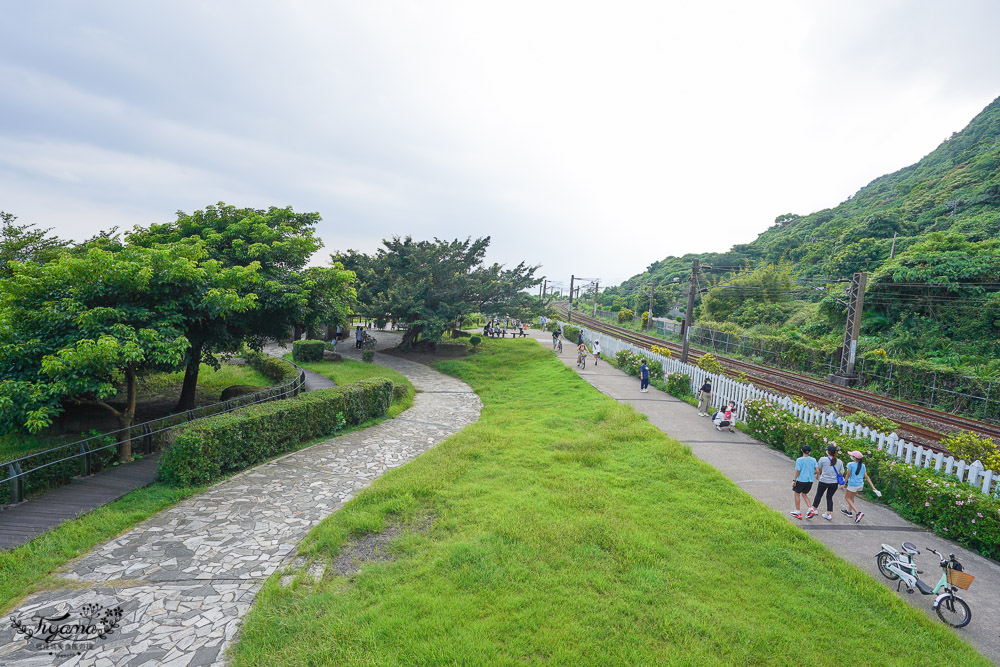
point(802, 483)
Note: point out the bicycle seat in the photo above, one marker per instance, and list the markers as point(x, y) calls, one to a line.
point(910, 548)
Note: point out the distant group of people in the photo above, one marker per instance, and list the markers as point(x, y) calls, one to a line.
point(497, 328)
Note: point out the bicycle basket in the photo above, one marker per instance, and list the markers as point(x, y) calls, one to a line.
point(960, 579)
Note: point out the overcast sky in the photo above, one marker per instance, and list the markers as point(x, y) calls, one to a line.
point(590, 138)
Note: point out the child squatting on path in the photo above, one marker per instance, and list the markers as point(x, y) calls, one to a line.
point(855, 483)
point(802, 483)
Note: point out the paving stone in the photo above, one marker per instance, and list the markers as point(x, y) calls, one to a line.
point(200, 563)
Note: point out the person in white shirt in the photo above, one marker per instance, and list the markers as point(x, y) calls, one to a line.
point(597, 350)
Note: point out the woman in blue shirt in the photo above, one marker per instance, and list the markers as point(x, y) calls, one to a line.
point(858, 473)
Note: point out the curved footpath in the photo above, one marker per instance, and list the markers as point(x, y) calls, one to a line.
point(766, 474)
point(185, 578)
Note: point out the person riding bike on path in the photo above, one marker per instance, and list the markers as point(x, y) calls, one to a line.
point(802, 483)
point(597, 351)
point(855, 483)
point(705, 398)
point(581, 354)
point(830, 469)
point(643, 377)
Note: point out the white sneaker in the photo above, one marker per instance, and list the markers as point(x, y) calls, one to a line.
point(827, 517)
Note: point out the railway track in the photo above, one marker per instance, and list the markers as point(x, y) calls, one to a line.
point(914, 423)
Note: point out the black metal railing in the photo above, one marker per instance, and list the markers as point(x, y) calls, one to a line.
point(18, 469)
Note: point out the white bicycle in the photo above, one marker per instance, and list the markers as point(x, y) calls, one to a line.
point(951, 609)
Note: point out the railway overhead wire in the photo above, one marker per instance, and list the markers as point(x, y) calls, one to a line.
point(915, 423)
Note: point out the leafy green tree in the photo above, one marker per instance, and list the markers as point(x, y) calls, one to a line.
point(430, 285)
point(25, 243)
point(80, 327)
point(769, 285)
point(280, 242)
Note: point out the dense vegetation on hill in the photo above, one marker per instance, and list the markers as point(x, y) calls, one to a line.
point(927, 235)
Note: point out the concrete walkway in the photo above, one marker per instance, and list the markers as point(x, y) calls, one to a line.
point(185, 578)
point(766, 475)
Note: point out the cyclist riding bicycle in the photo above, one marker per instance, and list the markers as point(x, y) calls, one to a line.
point(581, 355)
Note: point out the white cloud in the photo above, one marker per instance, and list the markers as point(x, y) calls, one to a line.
point(587, 137)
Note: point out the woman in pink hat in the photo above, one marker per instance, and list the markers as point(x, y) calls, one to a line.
point(857, 474)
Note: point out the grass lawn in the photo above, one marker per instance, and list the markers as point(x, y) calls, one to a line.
point(564, 527)
point(347, 371)
point(26, 568)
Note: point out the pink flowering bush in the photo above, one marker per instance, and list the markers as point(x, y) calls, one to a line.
point(932, 499)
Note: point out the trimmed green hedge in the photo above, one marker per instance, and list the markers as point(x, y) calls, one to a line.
point(940, 502)
point(275, 370)
point(211, 448)
point(308, 350)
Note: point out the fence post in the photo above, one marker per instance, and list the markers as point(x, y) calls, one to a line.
point(975, 470)
point(16, 483)
point(147, 438)
point(86, 458)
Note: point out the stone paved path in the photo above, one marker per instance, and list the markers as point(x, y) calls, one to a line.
point(186, 578)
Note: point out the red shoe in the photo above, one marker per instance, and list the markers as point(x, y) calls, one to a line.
point(812, 513)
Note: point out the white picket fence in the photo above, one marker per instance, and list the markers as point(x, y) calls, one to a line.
point(726, 389)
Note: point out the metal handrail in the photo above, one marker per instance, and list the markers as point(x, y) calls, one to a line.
point(271, 393)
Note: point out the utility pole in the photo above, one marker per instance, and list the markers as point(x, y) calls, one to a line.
point(845, 373)
point(649, 320)
point(689, 313)
point(892, 252)
point(597, 284)
point(569, 311)
point(544, 286)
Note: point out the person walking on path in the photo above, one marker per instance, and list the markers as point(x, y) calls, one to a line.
point(359, 335)
point(579, 338)
point(831, 475)
point(555, 339)
point(705, 398)
point(855, 483)
point(597, 351)
point(802, 483)
point(643, 377)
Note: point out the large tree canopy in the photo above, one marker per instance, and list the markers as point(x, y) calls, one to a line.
point(79, 327)
point(430, 285)
point(278, 240)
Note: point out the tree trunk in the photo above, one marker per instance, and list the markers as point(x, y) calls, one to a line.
point(125, 418)
point(190, 386)
point(410, 337)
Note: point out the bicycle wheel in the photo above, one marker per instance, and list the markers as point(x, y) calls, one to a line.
point(883, 559)
point(583, 362)
point(954, 611)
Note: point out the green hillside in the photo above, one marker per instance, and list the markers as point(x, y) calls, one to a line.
point(937, 298)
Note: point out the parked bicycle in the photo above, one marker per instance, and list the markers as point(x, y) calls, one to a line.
point(368, 342)
point(950, 608)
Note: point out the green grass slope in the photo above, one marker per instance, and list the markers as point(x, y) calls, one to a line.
point(562, 527)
